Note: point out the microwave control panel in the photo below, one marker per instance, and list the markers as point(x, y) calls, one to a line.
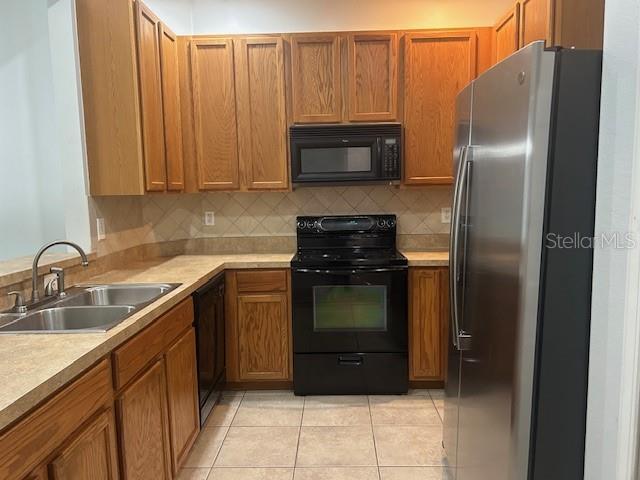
point(391, 158)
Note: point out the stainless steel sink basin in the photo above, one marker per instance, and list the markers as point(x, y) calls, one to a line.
point(95, 308)
point(65, 319)
point(133, 294)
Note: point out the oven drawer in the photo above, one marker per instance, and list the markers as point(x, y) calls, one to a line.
point(350, 374)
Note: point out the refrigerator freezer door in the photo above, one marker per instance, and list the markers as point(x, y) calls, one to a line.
point(452, 384)
point(509, 144)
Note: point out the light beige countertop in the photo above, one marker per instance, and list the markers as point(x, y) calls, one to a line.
point(33, 366)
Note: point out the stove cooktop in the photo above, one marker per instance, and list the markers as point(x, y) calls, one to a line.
point(349, 258)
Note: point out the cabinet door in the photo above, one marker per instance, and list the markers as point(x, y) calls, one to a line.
point(535, 21)
point(182, 396)
point(150, 98)
point(425, 325)
point(437, 66)
point(171, 106)
point(263, 337)
point(506, 34)
point(262, 117)
point(372, 76)
point(214, 109)
point(316, 78)
point(144, 436)
point(91, 454)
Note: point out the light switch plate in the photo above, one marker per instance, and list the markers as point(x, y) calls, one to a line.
point(100, 228)
point(445, 215)
point(209, 218)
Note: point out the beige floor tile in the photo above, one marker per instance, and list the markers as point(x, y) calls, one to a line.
point(418, 391)
point(336, 473)
point(193, 474)
point(233, 393)
point(415, 473)
point(409, 445)
point(403, 410)
point(265, 393)
point(206, 447)
point(269, 411)
point(336, 411)
point(223, 413)
point(259, 447)
point(438, 400)
point(336, 446)
point(244, 473)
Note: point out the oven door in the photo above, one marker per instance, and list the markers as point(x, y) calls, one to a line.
point(349, 310)
point(336, 159)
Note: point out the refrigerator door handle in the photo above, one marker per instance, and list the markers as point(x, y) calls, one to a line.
point(453, 247)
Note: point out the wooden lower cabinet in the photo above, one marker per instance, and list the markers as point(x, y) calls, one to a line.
point(258, 328)
point(91, 454)
point(182, 396)
point(144, 432)
point(428, 323)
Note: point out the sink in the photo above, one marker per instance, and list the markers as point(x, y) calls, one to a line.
point(95, 308)
point(132, 294)
point(66, 319)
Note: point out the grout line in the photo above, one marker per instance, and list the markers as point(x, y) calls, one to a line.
point(227, 432)
point(373, 434)
point(295, 460)
point(433, 402)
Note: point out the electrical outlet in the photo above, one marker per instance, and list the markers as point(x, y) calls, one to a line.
point(209, 219)
point(100, 228)
point(445, 215)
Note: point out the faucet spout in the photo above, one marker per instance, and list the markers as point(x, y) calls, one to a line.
point(35, 293)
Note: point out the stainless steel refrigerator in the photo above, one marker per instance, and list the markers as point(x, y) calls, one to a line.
point(520, 263)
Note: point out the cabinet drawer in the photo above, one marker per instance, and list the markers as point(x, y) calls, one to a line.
point(129, 359)
point(262, 281)
point(35, 437)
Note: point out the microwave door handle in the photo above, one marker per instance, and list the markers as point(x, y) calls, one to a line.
point(454, 246)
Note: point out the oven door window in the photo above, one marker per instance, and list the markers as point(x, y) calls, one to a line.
point(350, 308)
point(335, 160)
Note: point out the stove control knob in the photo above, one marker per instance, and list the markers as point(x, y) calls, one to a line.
point(301, 225)
point(391, 223)
point(310, 225)
point(381, 223)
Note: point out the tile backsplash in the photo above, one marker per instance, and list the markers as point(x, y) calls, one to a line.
point(174, 217)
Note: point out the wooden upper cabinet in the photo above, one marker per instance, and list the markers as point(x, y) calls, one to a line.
point(110, 97)
point(262, 116)
point(91, 454)
point(144, 433)
point(438, 65)
point(372, 76)
point(147, 32)
point(536, 21)
point(507, 34)
point(427, 324)
point(182, 396)
point(171, 108)
point(214, 110)
point(263, 340)
point(316, 78)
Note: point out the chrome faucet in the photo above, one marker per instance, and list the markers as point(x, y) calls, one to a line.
point(35, 294)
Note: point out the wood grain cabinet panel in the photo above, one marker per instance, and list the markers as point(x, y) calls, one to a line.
point(438, 65)
point(262, 116)
point(316, 78)
point(182, 393)
point(148, 43)
point(536, 21)
point(372, 76)
point(425, 324)
point(110, 96)
point(171, 109)
point(214, 104)
point(506, 34)
point(92, 454)
point(144, 432)
point(263, 339)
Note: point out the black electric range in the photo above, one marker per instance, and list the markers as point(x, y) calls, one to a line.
point(349, 297)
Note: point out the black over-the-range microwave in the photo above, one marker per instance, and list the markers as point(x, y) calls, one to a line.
point(346, 153)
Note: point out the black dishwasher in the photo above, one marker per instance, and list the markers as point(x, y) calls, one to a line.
point(208, 303)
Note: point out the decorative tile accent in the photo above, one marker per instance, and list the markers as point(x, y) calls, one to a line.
point(267, 214)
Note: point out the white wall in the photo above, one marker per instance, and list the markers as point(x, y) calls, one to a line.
point(264, 16)
point(613, 269)
point(175, 13)
point(42, 187)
